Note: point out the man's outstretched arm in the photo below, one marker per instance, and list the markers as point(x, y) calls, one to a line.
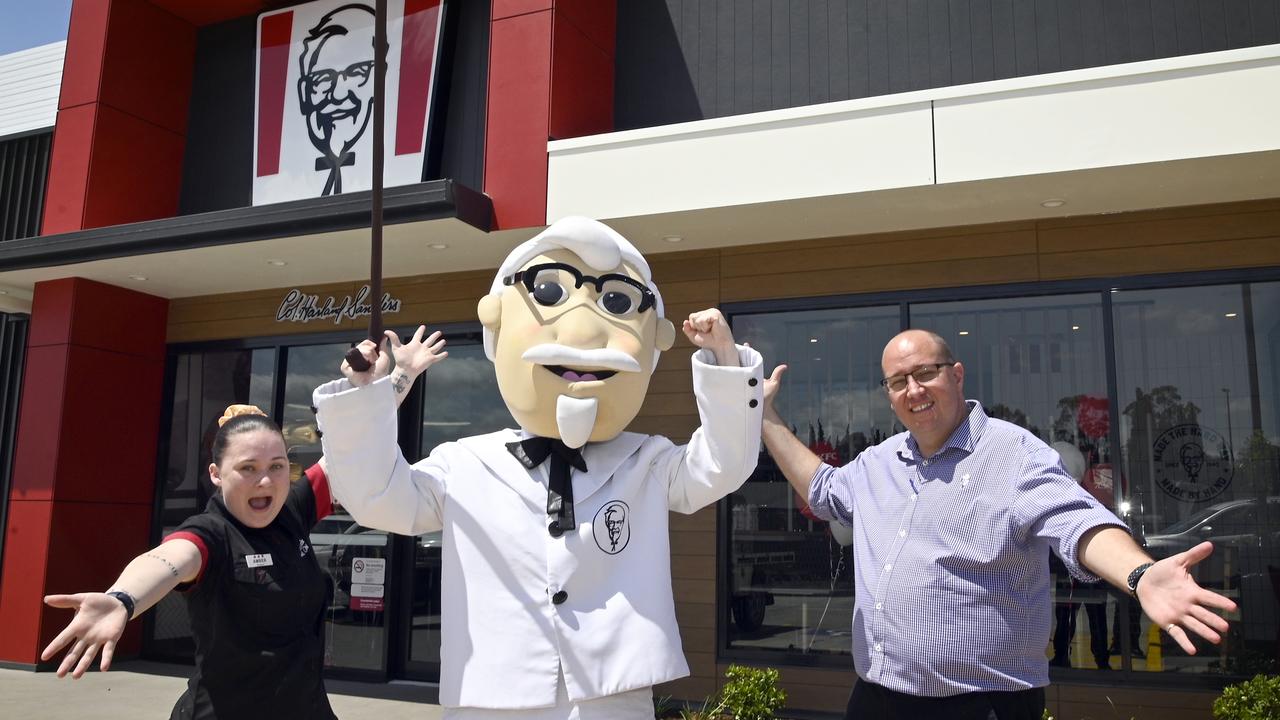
point(796, 461)
point(1167, 592)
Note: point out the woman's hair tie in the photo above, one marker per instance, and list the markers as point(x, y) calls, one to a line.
point(237, 410)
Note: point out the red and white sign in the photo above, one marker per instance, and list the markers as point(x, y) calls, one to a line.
point(367, 604)
point(314, 87)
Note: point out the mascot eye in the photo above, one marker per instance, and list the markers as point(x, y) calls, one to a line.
point(617, 303)
point(549, 293)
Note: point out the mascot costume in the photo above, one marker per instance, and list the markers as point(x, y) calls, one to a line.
point(556, 588)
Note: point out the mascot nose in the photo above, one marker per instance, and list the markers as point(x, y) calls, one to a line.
point(581, 328)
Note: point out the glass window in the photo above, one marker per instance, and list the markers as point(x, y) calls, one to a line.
point(460, 398)
point(790, 581)
point(1197, 370)
point(204, 385)
point(1003, 345)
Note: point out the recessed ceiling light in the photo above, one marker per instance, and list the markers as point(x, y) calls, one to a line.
point(673, 238)
point(1053, 203)
point(4, 292)
point(813, 340)
point(1231, 314)
point(1075, 327)
point(964, 332)
point(438, 246)
point(277, 263)
point(138, 277)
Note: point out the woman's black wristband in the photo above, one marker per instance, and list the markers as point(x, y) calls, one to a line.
point(126, 600)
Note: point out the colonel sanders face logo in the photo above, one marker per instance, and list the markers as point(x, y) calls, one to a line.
point(335, 87)
point(611, 527)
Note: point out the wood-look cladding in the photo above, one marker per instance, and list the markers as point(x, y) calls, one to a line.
point(1237, 235)
point(682, 60)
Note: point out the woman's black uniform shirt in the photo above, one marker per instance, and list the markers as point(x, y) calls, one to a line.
point(257, 614)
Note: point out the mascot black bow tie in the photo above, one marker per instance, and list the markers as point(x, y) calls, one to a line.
point(532, 452)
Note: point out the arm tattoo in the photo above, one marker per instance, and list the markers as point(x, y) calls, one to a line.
point(401, 382)
point(172, 569)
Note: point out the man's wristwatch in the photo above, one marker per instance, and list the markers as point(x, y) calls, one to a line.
point(126, 600)
point(1135, 576)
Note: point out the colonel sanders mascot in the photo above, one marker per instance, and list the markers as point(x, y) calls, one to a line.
point(556, 561)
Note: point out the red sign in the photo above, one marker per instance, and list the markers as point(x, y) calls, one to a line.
point(365, 603)
point(1093, 416)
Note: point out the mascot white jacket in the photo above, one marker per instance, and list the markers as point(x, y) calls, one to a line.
point(556, 588)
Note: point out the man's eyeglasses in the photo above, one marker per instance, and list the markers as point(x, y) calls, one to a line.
point(548, 284)
point(922, 375)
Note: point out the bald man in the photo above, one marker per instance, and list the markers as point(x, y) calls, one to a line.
point(952, 524)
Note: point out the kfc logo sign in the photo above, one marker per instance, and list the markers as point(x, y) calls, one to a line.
point(315, 86)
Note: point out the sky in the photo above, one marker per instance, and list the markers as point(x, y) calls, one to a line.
point(28, 23)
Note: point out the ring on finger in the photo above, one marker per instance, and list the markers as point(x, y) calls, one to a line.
point(1169, 628)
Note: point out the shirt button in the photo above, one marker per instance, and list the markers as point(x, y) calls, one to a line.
point(753, 403)
point(879, 606)
point(555, 529)
point(913, 498)
point(888, 566)
point(902, 533)
point(753, 382)
point(559, 597)
point(878, 648)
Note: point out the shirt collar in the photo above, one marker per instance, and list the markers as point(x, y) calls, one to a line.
point(964, 438)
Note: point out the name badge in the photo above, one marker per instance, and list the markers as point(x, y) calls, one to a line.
point(255, 561)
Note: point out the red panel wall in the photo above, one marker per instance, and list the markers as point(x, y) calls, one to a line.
point(84, 466)
point(516, 127)
point(550, 76)
point(122, 116)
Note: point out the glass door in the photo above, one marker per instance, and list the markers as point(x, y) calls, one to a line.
point(357, 559)
point(456, 398)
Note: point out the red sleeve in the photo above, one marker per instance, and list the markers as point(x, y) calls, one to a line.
point(320, 489)
point(198, 541)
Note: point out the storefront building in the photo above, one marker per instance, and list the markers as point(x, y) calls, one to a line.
point(1082, 197)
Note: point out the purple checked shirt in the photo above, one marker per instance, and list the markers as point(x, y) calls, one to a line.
point(951, 555)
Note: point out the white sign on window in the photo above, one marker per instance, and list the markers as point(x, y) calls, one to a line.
point(368, 571)
point(314, 87)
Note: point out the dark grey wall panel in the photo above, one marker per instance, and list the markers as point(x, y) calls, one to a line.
point(217, 166)
point(24, 173)
point(13, 352)
point(681, 60)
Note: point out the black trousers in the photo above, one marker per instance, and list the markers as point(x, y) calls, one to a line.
point(869, 701)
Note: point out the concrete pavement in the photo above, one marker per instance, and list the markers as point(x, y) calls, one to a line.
point(137, 690)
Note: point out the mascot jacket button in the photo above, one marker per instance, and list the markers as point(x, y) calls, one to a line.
point(753, 403)
point(559, 597)
point(752, 382)
point(555, 529)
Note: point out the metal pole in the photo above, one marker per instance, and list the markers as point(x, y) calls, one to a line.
point(355, 359)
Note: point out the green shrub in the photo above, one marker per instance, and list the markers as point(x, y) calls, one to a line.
point(1256, 699)
point(751, 693)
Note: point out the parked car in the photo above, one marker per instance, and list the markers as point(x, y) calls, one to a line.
point(1247, 522)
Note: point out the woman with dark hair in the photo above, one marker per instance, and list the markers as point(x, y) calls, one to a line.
point(256, 595)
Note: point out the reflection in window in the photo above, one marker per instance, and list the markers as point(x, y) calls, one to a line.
point(1064, 404)
point(460, 399)
point(204, 385)
point(791, 583)
point(1197, 371)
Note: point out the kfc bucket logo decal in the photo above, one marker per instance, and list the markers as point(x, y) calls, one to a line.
point(315, 83)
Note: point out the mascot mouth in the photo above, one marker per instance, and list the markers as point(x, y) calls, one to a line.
point(579, 375)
